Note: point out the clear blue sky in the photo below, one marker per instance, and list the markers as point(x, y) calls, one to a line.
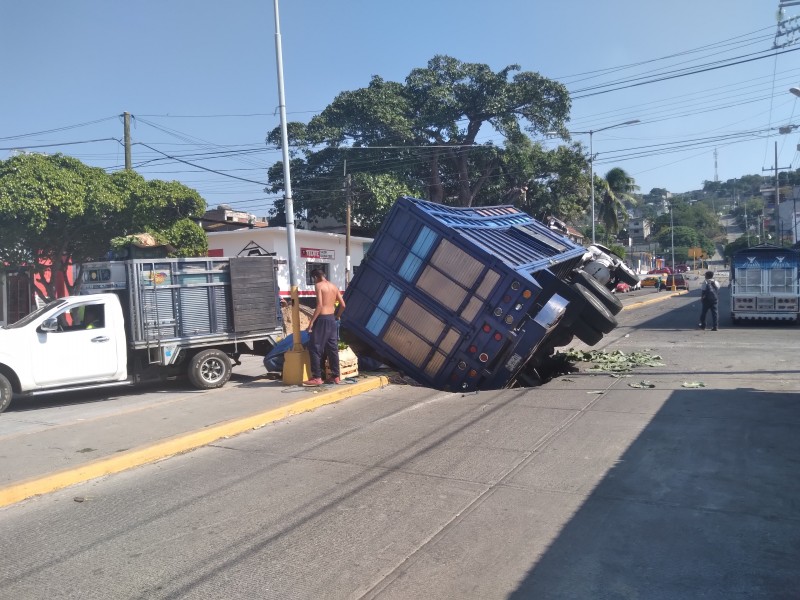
point(199, 78)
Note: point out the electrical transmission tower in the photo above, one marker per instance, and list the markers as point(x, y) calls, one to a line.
point(716, 172)
point(788, 27)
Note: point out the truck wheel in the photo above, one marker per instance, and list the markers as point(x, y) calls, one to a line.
point(594, 312)
point(611, 302)
point(5, 392)
point(561, 337)
point(209, 369)
point(586, 333)
point(626, 274)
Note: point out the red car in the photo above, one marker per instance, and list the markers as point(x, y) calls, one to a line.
point(662, 270)
point(622, 288)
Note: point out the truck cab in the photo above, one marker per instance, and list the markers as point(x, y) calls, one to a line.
point(72, 341)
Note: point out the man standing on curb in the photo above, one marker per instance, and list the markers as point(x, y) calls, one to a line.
point(324, 329)
point(709, 297)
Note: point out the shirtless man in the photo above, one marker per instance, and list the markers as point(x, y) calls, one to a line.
point(324, 330)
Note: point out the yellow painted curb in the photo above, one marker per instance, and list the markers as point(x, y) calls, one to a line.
point(178, 444)
point(654, 300)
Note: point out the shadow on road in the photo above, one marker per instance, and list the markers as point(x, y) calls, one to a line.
point(703, 503)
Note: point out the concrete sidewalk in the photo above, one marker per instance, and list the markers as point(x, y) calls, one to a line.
point(38, 457)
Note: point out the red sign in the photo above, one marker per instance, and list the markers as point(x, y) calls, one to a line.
point(317, 253)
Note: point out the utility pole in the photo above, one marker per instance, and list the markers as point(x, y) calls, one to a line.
point(126, 119)
point(348, 186)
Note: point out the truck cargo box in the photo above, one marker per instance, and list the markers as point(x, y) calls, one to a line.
point(191, 299)
point(460, 298)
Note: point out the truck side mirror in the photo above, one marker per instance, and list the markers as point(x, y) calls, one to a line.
point(49, 325)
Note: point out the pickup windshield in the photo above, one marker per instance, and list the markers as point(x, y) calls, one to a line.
point(35, 314)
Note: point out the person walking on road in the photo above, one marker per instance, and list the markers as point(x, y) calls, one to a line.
point(709, 297)
point(324, 329)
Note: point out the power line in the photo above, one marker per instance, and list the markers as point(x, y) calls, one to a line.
point(12, 148)
point(58, 129)
point(202, 168)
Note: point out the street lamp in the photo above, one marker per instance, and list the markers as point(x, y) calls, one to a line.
point(591, 133)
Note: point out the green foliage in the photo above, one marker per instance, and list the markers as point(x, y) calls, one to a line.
point(421, 135)
point(187, 237)
point(557, 180)
point(739, 244)
point(619, 250)
point(54, 210)
point(697, 216)
point(685, 238)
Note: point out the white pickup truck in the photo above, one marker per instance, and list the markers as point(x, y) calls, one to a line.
point(152, 320)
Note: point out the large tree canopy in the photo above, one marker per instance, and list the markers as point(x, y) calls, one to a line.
point(56, 211)
point(422, 135)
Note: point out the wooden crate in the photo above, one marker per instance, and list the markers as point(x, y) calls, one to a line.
point(348, 364)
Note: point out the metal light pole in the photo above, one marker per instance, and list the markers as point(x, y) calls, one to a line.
point(672, 241)
point(796, 92)
point(295, 364)
point(591, 133)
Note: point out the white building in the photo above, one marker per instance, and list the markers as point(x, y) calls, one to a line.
point(316, 249)
point(789, 216)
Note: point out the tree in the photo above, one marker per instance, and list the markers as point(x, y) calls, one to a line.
point(556, 182)
point(614, 189)
point(55, 212)
point(424, 132)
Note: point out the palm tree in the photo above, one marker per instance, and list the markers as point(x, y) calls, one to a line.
point(616, 188)
point(622, 184)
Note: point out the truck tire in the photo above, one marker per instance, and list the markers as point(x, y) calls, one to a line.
point(209, 369)
point(586, 333)
point(594, 312)
point(611, 302)
point(623, 272)
point(562, 337)
point(5, 392)
point(626, 274)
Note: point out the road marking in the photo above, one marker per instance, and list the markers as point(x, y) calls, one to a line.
point(654, 300)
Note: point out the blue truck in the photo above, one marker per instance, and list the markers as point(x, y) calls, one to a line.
point(465, 299)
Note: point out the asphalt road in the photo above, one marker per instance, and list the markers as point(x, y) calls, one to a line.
point(586, 487)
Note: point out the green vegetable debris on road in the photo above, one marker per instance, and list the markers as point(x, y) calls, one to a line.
point(616, 361)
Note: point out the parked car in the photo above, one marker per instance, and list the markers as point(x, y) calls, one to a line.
point(662, 270)
point(650, 280)
point(682, 268)
point(679, 280)
point(622, 288)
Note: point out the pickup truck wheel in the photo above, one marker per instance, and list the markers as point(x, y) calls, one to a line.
point(586, 333)
point(5, 392)
point(594, 312)
point(611, 302)
point(209, 369)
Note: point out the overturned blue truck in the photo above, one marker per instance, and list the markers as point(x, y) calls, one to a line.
point(465, 299)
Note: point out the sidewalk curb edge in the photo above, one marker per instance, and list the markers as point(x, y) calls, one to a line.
point(185, 442)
